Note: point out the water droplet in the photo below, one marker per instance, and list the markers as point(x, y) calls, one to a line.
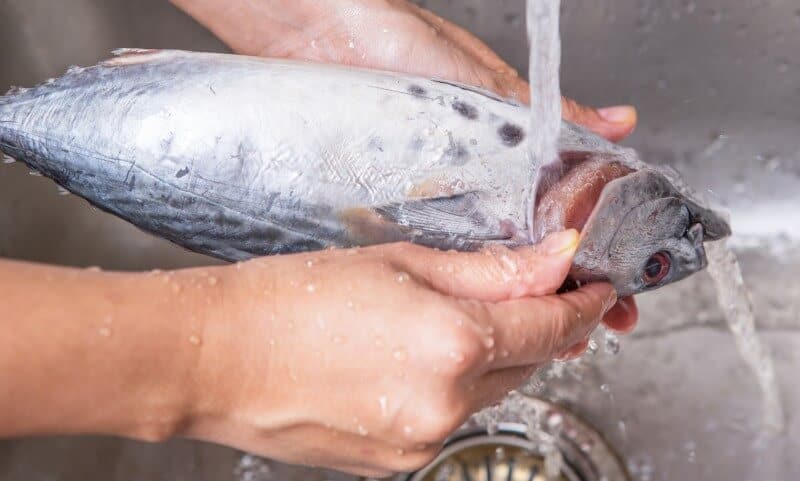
point(176, 288)
point(362, 430)
point(194, 340)
point(612, 343)
point(504, 353)
point(408, 430)
point(272, 342)
point(338, 340)
point(401, 452)
point(311, 288)
point(460, 322)
point(488, 342)
point(105, 331)
point(35, 173)
point(555, 422)
point(450, 268)
point(351, 44)
point(93, 269)
point(383, 401)
point(62, 191)
point(402, 277)
point(457, 356)
point(592, 348)
point(379, 341)
point(606, 388)
point(310, 263)
point(290, 325)
point(400, 354)
point(212, 281)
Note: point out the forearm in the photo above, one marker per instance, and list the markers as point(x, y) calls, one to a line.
point(84, 351)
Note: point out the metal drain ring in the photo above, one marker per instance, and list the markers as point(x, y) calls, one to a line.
point(587, 456)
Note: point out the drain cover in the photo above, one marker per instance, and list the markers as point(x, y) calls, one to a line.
point(518, 452)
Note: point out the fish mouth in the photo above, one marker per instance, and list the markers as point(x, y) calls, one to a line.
point(696, 235)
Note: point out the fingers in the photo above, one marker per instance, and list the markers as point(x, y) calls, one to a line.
point(623, 316)
point(536, 330)
point(613, 123)
point(498, 274)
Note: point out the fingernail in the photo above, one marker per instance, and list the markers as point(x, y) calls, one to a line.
point(610, 301)
point(559, 242)
point(620, 114)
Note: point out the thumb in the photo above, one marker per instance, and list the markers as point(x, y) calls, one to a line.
point(613, 123)
point(499, 274)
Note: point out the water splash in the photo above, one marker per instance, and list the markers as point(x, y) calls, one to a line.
point(734, 299)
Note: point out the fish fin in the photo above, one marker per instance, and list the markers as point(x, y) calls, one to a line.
point(478, 90)
point(459, 215)
point(7, 159)
point(131, 56)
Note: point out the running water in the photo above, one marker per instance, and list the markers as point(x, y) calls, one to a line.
point(544, 41)
point(734, 299)
point(543, 72)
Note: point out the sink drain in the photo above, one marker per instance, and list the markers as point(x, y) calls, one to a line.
point(518, 452)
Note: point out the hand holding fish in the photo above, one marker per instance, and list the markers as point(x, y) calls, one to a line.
point(257, 355)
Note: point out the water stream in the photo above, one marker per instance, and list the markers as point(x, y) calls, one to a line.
point(734, 300)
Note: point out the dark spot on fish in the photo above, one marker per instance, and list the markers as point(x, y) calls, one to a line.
point(473, 141)
point(465, 110)
point(511, 134)
point(182, 173)
point(131, 182)
point(417, 91)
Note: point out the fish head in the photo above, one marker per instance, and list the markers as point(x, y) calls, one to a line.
point(644, 234)
point(640, 229)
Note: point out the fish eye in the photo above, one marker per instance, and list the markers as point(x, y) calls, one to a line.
point(656, 268)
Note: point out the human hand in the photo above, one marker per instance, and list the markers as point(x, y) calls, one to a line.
point(365, 360)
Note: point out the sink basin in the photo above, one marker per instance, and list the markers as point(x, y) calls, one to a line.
point(716, 83)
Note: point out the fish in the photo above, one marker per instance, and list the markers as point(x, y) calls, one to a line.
point(237, 157)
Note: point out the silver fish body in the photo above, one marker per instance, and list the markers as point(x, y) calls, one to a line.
point(237, 157)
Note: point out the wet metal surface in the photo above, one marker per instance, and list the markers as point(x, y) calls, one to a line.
point(717, 84)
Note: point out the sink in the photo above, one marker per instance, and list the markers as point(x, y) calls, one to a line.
point(716, 84)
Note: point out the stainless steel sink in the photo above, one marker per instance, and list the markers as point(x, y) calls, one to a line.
point(717, 84)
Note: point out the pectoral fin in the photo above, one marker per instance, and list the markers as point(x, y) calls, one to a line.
point(454, 216)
